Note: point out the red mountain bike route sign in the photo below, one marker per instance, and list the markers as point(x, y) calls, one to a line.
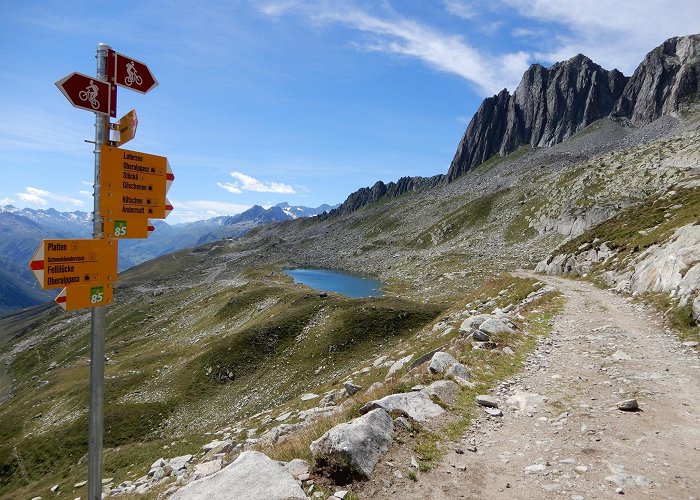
point(133, 74)
point(86, 92)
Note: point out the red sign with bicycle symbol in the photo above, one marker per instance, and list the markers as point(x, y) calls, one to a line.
point(132, 74)
point(86, 92)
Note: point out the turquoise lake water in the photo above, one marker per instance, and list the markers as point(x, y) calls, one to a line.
point(350, 285)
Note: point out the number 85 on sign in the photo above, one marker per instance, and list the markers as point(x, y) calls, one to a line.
point(77, 297)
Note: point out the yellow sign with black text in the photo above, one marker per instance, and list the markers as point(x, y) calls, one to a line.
point(61, 263)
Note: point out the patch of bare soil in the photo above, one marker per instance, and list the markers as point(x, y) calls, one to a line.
point(561, 434)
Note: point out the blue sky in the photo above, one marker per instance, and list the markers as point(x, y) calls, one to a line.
point(283, 100)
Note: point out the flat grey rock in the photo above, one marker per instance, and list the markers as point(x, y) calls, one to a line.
point(628, 405)
point(251, 475)
point(494, 326)
point(445, 390)
point(486, 400)
point(416, 405)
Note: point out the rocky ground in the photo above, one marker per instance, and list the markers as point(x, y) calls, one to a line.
point(562, 434)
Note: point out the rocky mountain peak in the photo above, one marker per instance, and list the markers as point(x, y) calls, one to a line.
point(668, 76)
point(551, 104)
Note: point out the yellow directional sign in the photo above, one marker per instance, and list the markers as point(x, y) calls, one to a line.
point(77, 297)
point(127, 127)
point(60, 263)
point(127, 226)
point(114, 204)
point(134, 173)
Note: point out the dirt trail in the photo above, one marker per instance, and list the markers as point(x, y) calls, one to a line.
point(561, 435)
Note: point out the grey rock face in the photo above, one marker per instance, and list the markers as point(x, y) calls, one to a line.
point(552, 104)
point(669, 74)
point(548, 106)
point(359, 443)
point(251, 475)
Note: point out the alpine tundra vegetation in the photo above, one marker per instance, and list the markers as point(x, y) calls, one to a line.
point(225, 377)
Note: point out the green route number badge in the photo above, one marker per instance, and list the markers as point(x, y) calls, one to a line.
point(97, 294)
point(119, 228)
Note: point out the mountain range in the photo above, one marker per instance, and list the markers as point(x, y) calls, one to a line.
point(581, 171)
point(23, 229)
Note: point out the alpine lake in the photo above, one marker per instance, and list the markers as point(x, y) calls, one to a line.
point(324, 280)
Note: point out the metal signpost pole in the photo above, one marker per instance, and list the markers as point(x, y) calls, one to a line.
point(97, 349)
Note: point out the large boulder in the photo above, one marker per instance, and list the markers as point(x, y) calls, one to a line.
point(416, 405)
point(358, 444)
point(251, 475)
point(493, 326)
point(440, 362)
point(672, 266)
point(473, 322)
point(444, 390)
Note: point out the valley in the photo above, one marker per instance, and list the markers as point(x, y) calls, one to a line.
point(213, 353)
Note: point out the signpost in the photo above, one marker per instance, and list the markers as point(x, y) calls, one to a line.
point(86, 92)
point(133, 74)
point(78, 297)
point(130, 187)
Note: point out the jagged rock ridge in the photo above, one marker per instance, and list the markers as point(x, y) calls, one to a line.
point(548, 106)
point(552, 104)
point(366, 195)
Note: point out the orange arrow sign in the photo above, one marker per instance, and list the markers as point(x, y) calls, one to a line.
point(115, 204)
point(127, 127)
point(77, 297)
point(134, 173)
point(128, 227)
point(60, 263)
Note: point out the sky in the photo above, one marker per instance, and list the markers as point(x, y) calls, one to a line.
point(266, 101)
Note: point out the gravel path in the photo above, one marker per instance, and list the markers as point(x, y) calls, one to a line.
point(562, 435)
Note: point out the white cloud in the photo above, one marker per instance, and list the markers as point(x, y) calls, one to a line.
point(6, 201)
point(461, 9)
point(193, 210)
point(229, 187)
point(407, 37)
point(612, 33)
point(245, 182)
point(41, 197)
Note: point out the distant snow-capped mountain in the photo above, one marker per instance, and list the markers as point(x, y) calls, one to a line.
point(23, 229)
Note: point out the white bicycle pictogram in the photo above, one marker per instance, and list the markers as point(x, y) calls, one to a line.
point(90, 94)
point(132, 77)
